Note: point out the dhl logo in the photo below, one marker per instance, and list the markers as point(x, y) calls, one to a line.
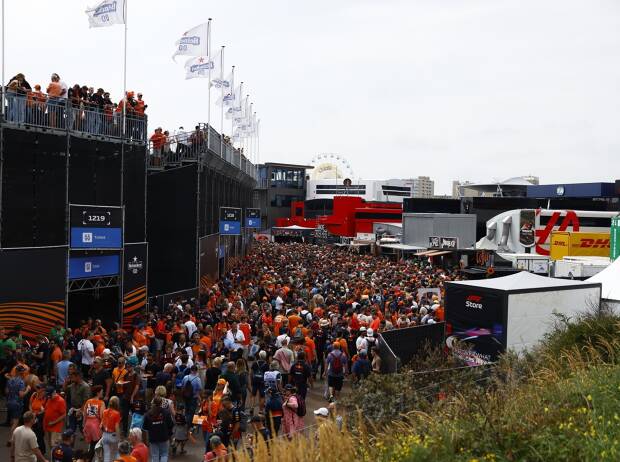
point(569, 220)
point(559, 243)
point(594, 243)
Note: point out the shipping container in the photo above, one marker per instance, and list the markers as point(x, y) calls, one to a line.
point(571, 244)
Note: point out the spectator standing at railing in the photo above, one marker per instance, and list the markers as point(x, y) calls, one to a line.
point(35, 106)
point(140, 107)
point(197, 139)
point(54, 93)
point(158, 140)
point(16, 92)
point(181, 137)
point(97, 103)
point(108, 111)
point(167, 143)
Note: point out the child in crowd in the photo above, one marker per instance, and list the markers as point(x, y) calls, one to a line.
point(180, 433)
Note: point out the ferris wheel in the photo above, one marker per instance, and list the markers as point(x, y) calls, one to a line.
point(330, 166)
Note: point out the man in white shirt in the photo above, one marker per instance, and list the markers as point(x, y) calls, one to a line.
point(234, 338)
point(24, 446)
point(361, 343)
point(87, 350)
point(190, 326)
point(279, 302)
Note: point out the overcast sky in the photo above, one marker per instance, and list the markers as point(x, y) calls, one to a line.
point(454, 89)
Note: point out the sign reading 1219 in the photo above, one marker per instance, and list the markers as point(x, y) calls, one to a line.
point(96, 227)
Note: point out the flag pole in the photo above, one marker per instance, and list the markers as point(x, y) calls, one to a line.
point(254, 136)
point(249, 155)
point(3, 37)
point(125, 69)
point(222, 101)
point(209, 88)
point(232, 121)
point(258, 142)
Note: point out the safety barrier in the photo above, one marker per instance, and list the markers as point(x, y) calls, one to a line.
point(188, 147)
point(47, 112)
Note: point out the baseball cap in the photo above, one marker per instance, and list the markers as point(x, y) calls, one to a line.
point(67, 434)
point(322, 412)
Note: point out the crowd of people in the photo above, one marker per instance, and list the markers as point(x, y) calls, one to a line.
point(79, 107)
point(230, 368)
point(182, 143)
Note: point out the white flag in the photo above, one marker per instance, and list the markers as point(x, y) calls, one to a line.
point(198, 67)
point(227, 100)
point(221, 82)
point(106, 13)
point(193, 42)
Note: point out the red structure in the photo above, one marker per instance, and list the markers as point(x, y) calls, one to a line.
point(351, 215)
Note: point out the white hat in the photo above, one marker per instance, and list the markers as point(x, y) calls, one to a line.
point(322, 411)
point(362, 329)
point(106, 351)
point(370, 333)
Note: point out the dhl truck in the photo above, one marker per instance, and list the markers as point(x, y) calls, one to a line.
point(576, 244)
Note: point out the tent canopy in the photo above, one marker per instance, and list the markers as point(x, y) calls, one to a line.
point(610, 279)
point(293, 227)
point(522, 281)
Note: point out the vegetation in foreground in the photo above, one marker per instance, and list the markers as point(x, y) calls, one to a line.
point(560, 403)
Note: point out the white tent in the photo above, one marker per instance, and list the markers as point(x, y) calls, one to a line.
point(610, 279)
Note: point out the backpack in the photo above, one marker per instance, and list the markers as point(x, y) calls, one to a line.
point(275, 402)
point(178, 382)
point(301, 405)
point(188, 389)
point(243, 420)
point(271, 379)
point(336, 365)
point(297, 371)
point(259, 370)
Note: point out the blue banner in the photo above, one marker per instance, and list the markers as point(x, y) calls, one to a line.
point(90, 267)
point(230, 228)
point(96, 238)
point(252, 223)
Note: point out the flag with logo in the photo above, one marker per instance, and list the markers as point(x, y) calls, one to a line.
point(193, 42)
point(220, 81)
point(198, 67)
point(106, 13)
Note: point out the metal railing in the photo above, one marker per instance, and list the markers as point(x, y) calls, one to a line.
point(39, 110)
point(190, 146)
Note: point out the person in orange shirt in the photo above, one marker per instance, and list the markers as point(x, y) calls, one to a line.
point(208, 410)
point(53, 417)
point(124, 450)
point(93, 415)
point(139, 340)
point(293, 321)
point(218, 450)
point(148, 333)
point(158, 140)
point(206, 341)
point(55, 355)
point(111, 426)
point(140, 106)
point(247, 332)
point(118, 375)
point(310, 349)
point(439, 312)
